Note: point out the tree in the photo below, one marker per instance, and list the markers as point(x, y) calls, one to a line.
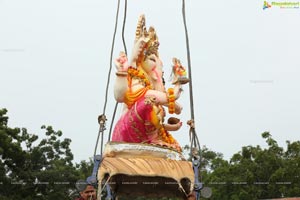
point(256, 173)
point(32, 169)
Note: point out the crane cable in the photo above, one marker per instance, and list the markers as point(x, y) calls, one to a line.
point(102, 118)
point(125, 50)
point(123, 27)
point(193, 135)
point(195, 150)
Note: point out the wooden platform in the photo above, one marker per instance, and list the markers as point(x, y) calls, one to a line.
point(134, 170)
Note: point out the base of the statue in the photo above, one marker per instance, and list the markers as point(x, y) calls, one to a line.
point(134, 170)
point(138, 150)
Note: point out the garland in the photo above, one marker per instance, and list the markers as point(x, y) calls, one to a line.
point(171, 97)
point(166, 136)
point(139, 74)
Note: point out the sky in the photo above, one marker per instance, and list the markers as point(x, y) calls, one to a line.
point(55, 57)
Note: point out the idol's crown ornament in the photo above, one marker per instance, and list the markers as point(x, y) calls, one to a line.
point(150, 37)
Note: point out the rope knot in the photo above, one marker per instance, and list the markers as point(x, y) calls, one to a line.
point(191, 123)
point(195, 152)
point(102, 119)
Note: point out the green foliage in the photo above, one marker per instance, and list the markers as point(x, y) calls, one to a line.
point(43, 168)
point(85, 168)
point(255, 173)
point(36, 169)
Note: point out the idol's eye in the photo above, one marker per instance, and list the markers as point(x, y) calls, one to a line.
point(153, 59)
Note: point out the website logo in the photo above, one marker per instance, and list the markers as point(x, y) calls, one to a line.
point(266, 5)
point(281, 4)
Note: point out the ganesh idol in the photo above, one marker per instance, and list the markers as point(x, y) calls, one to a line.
point(140, 87)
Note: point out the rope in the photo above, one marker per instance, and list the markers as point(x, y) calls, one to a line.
point(192, 126)
point(98, 136)
point(112, 122)
point(195, 145)
point(101, 120)
point(104, 185)
point(189, 60)
point(125, 50)
point(123, 27)
point(100, 189)
point(101, 129)
point(111, 55)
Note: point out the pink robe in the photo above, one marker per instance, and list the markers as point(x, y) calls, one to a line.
point(135, 125)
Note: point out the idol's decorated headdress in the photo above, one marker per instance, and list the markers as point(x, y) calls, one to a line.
point(150, 37)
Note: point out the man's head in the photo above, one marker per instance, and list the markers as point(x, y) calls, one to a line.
point(87, 191)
